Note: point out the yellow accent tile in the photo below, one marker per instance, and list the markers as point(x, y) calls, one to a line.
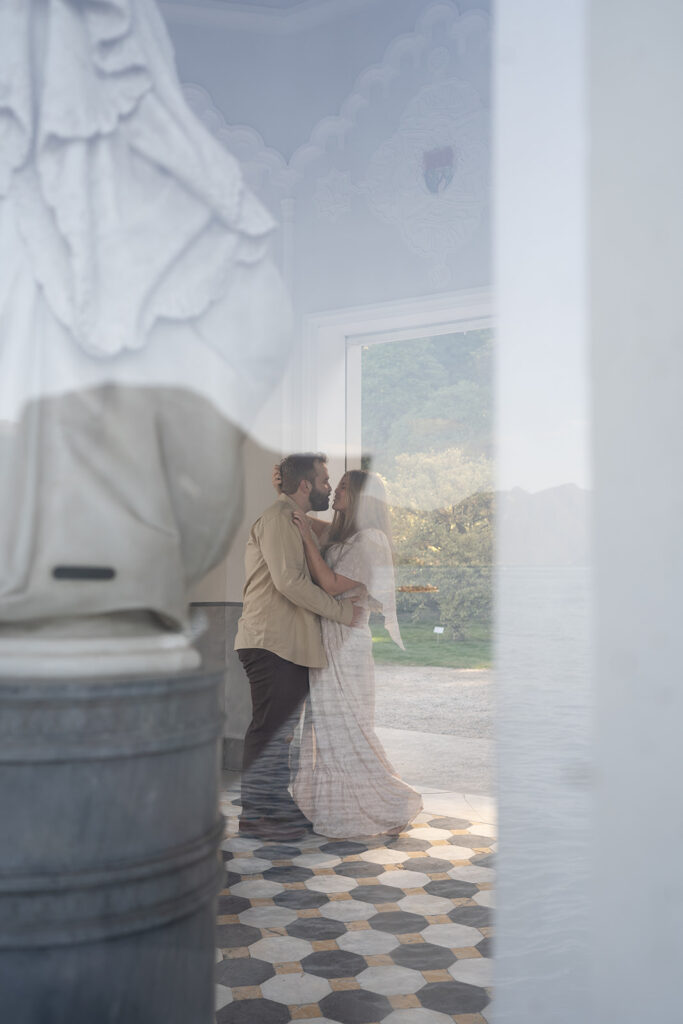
point(261, 901)
point(357, 926)
point(486, 930)
point(381, 960)
point(466, 953)
point(407, 1002)
point(436, 976)
point(469, 1018)
point(486, 885)
point(410, 939)
point(386, 908)
point(438, 919)
point(309, 912)
point(438, 876)
point(305, 1012)
point(236, 952)
point(343, 984)
point(321, 944)
point(324, 871)
point(227, 919)
point(291, 967)
point(290, 885)
point(246, 992)
point(338, 895)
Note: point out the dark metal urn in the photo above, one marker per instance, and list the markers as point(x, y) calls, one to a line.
point(109, 863)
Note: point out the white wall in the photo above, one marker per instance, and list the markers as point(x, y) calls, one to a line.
point(636, 211)
point(331, 123)
point(589, 261)
point(542, 628)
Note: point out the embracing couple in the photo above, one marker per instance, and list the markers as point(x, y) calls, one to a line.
point(304, 638)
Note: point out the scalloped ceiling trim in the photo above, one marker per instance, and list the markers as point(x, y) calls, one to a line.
point(248, 145)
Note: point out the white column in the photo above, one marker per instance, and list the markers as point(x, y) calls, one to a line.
point(636, 210)
point(543, 611)
point(590, 922)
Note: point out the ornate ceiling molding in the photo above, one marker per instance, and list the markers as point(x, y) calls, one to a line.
point(377, 79)
point(427, 176)
point(265, 169)
point(246, 143)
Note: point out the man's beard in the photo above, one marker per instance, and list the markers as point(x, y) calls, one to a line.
point(320, 501)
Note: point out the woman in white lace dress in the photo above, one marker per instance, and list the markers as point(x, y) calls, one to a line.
point(345, 784)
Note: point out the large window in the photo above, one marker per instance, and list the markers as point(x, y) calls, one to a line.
point(419, 415)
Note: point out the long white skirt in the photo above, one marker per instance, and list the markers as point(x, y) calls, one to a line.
point(345, 783)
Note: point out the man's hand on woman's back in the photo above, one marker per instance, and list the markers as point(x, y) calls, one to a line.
point(358, 619)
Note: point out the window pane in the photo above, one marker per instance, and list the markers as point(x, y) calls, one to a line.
point(427, 430)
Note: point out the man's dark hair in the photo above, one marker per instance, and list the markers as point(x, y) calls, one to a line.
point(296, 468)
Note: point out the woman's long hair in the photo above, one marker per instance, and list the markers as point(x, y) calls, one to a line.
point(367, 508)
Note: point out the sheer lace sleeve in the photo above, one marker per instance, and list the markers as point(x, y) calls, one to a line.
point(369, 560)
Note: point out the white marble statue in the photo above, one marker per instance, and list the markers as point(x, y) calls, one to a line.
point(142, 323)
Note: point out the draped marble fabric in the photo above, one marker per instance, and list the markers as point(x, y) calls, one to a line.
point(142, 321)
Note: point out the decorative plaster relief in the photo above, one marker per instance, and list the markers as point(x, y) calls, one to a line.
point(265, 169)
point(430, 179)
point(333, 195)
point(424, 170)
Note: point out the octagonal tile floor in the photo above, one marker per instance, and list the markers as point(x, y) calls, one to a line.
point(357, 931)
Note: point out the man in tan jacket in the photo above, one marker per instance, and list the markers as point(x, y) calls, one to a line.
point(278, 640)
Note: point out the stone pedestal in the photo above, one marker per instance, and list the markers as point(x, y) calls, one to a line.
point(216, 646)
point(110, 867)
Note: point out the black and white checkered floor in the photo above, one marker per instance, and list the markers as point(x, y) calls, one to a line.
point(393, 929)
